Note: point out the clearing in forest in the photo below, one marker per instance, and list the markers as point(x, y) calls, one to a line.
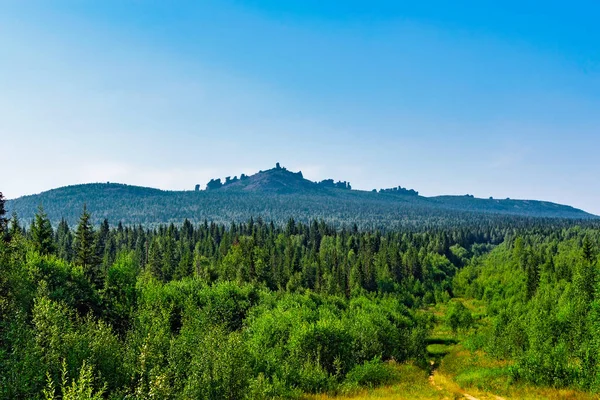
point(456, 372)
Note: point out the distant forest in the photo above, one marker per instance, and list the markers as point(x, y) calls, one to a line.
point(278, 195)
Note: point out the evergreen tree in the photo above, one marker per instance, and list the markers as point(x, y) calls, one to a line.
point(155, 259)
point(41, 233)
point(15, 227)
point(85, 253)
point(588, 250)
point(64, 241)
point(102, 238)
point(3, 220)
point(532, 279)
point(584, 279)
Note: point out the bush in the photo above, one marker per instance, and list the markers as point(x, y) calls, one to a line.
point(459, 317)
point(371, 373)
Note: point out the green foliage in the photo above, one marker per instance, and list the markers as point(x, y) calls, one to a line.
point(81, 388)
point(41, 233)
point(3, 219)
point(258, 310)
point(85, 252)
point(458, 317)
point(371, 373)
point(119, 293)
point(61, 282)
point(541, 291)
point(312, 342)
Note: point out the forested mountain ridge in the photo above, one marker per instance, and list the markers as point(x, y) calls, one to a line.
point(276, 195)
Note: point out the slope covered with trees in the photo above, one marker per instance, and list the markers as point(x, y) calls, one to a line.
point(542, 293)
point(277, 195)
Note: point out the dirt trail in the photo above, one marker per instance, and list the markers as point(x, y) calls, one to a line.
point(442, 383)
point(437, 384)
point(432, 379)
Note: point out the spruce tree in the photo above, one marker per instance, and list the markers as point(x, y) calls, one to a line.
point(41, 233)
point(102, 238)
point(15, 227)
point(3, 220)
point(84, 249)
point(155, 259)
point(64, 241)
point(588, 250)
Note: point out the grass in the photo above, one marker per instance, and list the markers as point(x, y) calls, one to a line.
point(463, 370)
point(412, 383)
point(460, 373)
point(486, 378)
point(438, 350)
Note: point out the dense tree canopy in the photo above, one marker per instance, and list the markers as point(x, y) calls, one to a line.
point(261, 309)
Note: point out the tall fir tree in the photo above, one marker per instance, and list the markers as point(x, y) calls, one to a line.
point(102, 238)
point(588, 250)
point(3, 219)
point(84, 249)
point(15, 227)
point(64, 241)
point(155, 259)
point(41, 233)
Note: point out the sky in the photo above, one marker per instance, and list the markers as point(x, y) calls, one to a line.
point(481, 97)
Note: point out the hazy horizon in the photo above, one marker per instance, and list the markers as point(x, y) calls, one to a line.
point(490, 100)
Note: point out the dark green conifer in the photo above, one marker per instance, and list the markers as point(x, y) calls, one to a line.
point(102, 238)
point(64, 241)
point(3, 220)
point(588, 250)
point(155, 259)
point(85, 252)
point(15, 226)
point(41, 233)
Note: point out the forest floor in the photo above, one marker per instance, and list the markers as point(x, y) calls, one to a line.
point(457, 373)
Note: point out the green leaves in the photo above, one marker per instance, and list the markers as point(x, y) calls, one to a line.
point(80, 388)
point(542, 295)
point(458, 317)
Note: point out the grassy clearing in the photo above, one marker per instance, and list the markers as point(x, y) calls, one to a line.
point(412, 383)
point(461, 370)
point(459, 373)
point(485, 378)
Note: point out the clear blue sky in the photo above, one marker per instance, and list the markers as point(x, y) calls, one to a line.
point(490, 98)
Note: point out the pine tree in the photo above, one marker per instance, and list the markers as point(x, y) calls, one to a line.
point(588, 250)
point(85, 252)
point(15, 227)
point(3, 220)
point(532, 279)
point(64, 241)
point(155, 259)
point(41, 233)
point(101, 240)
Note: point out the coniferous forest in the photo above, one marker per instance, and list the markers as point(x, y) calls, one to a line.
point(262, 310)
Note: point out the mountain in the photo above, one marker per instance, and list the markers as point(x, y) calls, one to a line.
point(276, 180)
point(276, 195)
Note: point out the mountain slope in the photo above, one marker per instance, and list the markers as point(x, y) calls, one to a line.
point(276, 195)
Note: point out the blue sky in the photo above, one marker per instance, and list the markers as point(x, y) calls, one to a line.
point(490, 98)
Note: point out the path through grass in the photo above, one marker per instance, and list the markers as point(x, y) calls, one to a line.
point(457, 373)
